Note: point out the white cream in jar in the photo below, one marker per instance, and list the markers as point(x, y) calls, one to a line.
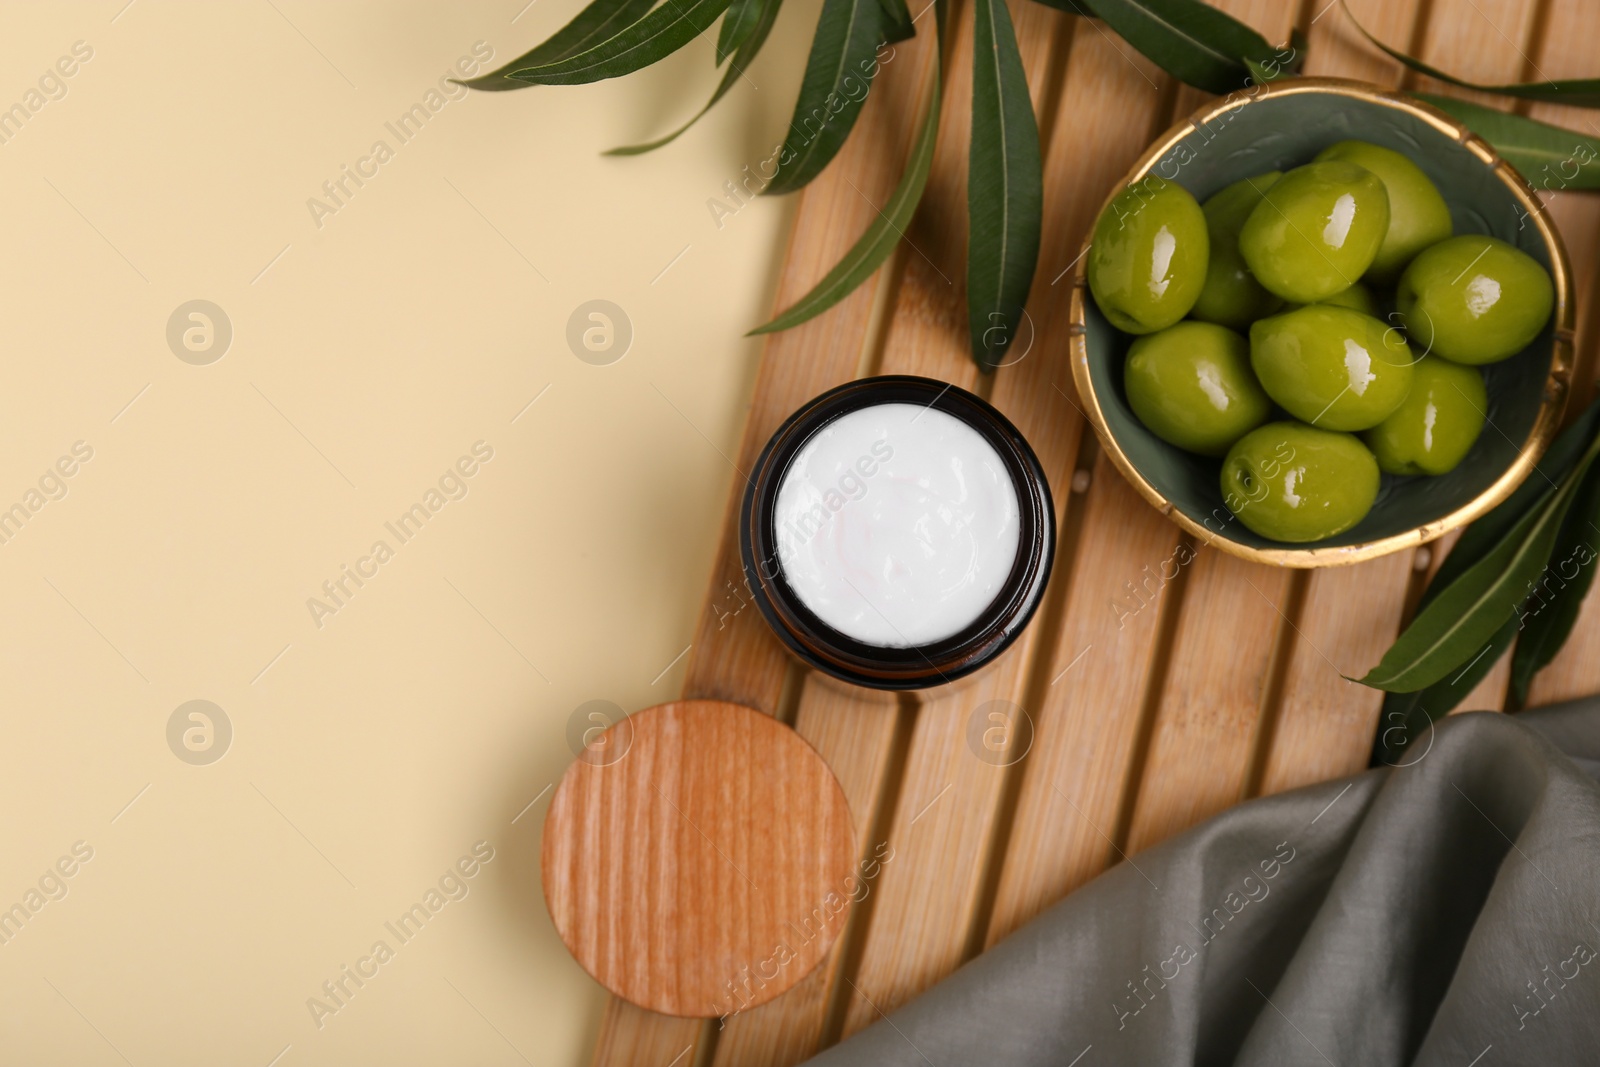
point(897, 525)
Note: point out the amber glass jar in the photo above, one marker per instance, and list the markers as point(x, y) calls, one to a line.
point(902, 664)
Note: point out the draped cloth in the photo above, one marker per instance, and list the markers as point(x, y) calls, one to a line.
point(1438, 913)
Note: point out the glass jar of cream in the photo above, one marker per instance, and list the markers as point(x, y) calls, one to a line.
point(897, 532)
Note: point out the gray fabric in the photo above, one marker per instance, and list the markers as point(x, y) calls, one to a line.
point(1441, 913)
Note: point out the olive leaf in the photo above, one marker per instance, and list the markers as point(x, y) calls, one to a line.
point(754, 37)
point(1553, 468)
point(1005, 187)
point(1469, 610)
point(1275, 67)
point(653, 36)
point(874, 246)
point(1551, 610)
point(1578, 92)
point(1537, 632)
point(738, 23)
point(593, 24)
point(899, 24)
point(1406, 716)
point(839, 74)
point(1190, 40)
point(1533, 147)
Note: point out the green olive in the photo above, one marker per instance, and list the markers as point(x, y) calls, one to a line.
point(1293, 482)
point(1147, 261)
point(1316, 230)
point(1191, 386)
point(1438, 422)
point(1332, 367)
point(1232, 297)
point(1474, 299)
point(1418, 215)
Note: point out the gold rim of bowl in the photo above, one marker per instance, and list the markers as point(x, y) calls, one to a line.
point(1555, 387)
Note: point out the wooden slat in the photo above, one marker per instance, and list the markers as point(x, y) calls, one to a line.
point(1213, 702)
point(734, 656)
point(1325, 725)
point(1478, 40)
point(1336, 47)
point(941, 832)
point(631, 1035)
point(945, 817)
point(1577, 217)
point(1087, 721)
point(1490, 41)
point(1350, 615)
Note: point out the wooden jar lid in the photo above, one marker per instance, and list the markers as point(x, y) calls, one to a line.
point(698, 858)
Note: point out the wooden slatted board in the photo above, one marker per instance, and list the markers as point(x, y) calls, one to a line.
point(1154, 704)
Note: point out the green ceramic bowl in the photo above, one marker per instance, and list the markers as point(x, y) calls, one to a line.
point(1277, 127)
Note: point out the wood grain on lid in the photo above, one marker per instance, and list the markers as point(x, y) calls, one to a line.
point(704, 864)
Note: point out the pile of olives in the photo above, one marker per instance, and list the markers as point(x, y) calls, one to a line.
point(1303, 262)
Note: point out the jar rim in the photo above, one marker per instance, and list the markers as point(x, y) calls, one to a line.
point(914, 666)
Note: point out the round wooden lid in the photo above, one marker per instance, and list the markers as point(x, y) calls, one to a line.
point(698, 858)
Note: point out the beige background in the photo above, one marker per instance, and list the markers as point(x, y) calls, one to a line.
point(371, 753)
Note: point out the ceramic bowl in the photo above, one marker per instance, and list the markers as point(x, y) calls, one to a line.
point(1283, 125)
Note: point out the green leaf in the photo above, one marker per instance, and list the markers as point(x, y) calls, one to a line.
point(1406, 715)
point(1550, 157)
point(1298, 46)
point(738, 22)
point(1468, 611)
point(1005, 187)
point(1263, 71)
point(1191, 40)
point(656, 35)
point(594, 24)
point(742, 58)
point(839, 75)
point(1477, 540)
point(1551, 609)
point(1260, 73)
point(886, 230)
point(1577, 92)
point(899, 25)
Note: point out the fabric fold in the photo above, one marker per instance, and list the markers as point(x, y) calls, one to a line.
point(1438, 913)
